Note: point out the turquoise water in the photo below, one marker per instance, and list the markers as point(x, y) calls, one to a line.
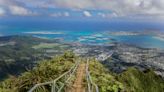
point(145, 41)
point(95, 37)
point(101, 38)
point(86, 33)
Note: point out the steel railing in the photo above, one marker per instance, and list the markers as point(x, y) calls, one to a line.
point(91, 86)
point(59, 83)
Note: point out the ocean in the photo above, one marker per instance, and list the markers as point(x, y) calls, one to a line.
point(90, 32)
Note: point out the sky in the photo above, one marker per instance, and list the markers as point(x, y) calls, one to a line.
point(87, 9)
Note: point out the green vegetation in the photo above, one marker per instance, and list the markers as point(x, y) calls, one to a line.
point(137, 81)
point(131, 80)
point(20, 53)
point(17, 54)
point(46, 46)
point(45, 71)
point(103, 78)
point(51, 46)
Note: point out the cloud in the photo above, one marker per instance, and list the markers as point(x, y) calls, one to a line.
point(17, 10)
point(56, 14)
point(119, 8)
point(2, 12)
point(66, 14)
point(101, 15)
point(14, 7)
point(60, 14)
point(107, 15)
point(87, 14)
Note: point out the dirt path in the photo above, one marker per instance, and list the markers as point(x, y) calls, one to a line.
point(78, 85)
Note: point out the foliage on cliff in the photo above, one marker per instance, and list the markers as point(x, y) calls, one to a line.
point(131, 80)
point(138, 81)
point(45, 71)
point(104, 78)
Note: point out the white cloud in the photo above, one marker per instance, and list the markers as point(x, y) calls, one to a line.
point(2, 12)
point(66, 14)
point(60, 14)
point(17, 10)
point(114, 15)
point(107, 15)
point(56, 14)
point(118, 7)
point(101, 14)
point(87, 14)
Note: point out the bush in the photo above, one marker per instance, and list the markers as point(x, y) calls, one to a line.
point(45, 71)
point(103, 78)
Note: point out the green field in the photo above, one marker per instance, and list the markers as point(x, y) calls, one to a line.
point(46, 45)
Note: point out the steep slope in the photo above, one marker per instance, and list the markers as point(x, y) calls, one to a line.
point(138, 81)
point(131, 80)
point(45, 71)
point(104, 78)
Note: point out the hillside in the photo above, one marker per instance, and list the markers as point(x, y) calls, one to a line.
point(104, 78)
point(17, 54)
point(131, 80)
point(137, 81)
point(45, 71)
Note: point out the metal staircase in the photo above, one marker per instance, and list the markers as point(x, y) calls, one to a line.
point(61, 83)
